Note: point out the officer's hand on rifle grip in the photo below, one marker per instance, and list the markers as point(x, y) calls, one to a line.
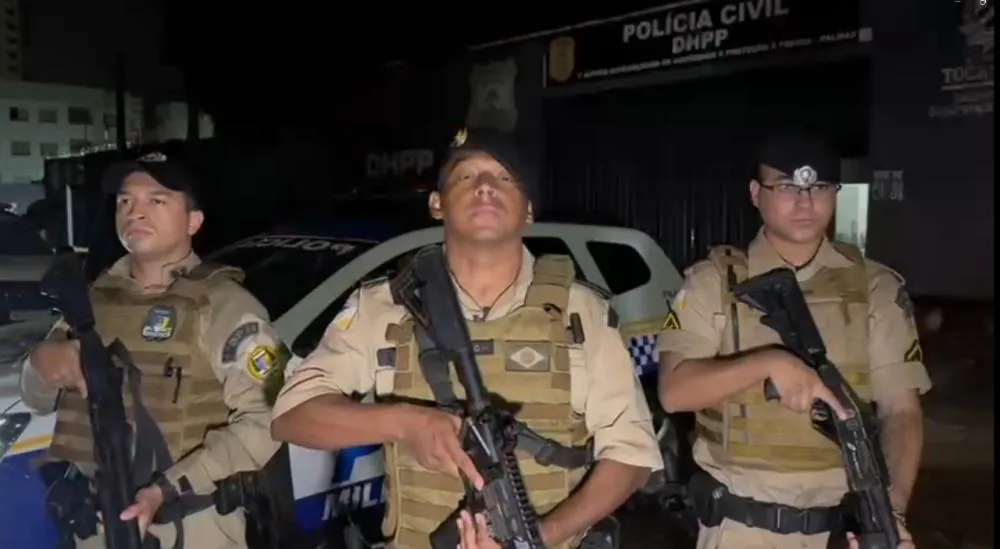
point(58, 364)
point(431, 435)
point(795, 385)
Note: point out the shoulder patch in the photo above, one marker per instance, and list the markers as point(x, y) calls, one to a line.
point(372, 282)
point(242, 333)
point(262, 361)
point(601, 292)
point(915, 353)
point(671, 322)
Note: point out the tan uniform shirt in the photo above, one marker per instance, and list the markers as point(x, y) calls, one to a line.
point(238, 321)
point(893, 337)
point(606, 391)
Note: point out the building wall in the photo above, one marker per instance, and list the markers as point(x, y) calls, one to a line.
point(73, 42)
point(172, 121)
point(41, 120)
point(10, 40)
point(928, 144)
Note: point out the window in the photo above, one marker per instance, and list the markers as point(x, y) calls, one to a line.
point(310, 337)
point(20, 148)
point(48, 149)
point(621, 266)
point(547, 245)
point(77, 145)
point(18, 114)
point(79, 116)
point(282, 270)
point(48, 116)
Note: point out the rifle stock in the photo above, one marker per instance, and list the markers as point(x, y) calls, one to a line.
point(65, 282)
point(777, 296)
point(488, 432)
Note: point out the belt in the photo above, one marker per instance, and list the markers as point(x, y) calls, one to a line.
point(714, 502)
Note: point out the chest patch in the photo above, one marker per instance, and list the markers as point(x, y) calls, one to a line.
point(160, 324)
point(523, 356)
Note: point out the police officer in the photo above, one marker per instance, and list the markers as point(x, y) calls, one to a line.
point(202, 348)
point(543, 341)
point(763, 460)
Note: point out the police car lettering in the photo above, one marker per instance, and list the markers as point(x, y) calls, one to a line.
point(299, 243)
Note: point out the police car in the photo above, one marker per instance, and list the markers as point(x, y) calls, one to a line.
point(303, 275)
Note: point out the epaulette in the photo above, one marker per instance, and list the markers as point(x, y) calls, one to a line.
point(601, 292)
point(207, 271)
point(374, 281)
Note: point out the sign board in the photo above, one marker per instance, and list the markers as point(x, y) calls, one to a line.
point(695, 33)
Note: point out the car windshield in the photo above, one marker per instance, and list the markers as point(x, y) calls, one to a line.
point(283, 269)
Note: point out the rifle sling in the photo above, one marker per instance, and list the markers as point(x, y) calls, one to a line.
point(151, 454)
point(545, 451)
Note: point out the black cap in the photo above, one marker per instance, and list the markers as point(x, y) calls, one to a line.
point(169, 174)
point(795, 151)
point(502, 148)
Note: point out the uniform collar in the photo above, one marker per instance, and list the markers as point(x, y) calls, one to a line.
point(120, 273)
point(762, 257)
point(512, 298)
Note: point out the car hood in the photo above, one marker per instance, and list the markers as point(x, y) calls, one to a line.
point(16, 340)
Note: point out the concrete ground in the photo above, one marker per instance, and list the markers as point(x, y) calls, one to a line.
point(952, 506)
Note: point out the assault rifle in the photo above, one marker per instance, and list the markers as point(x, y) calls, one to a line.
point(489, 433)
point(65, 282)
point(777, 295)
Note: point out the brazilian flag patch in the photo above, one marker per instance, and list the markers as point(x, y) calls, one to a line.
point(915, 352)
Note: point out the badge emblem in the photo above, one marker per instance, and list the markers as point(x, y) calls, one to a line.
point(492, 102)
point(562, 52)
point(261, 361)
point(161, 321)
point(804, 176)
point(460, 138)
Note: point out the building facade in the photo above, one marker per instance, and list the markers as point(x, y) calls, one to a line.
point(652, 118)
point(47, 120)
point(10, 40)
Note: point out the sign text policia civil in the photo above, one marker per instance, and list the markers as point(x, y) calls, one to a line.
point(698, 33)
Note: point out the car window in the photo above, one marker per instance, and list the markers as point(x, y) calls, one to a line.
point(281, 270)
point(621, 265)
point(547, 245)
point(307, 341)
point(17, 237)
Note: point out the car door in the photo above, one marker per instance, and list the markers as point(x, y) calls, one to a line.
point(632, 269)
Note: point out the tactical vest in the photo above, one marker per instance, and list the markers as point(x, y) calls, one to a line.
point(173, 374)
point(748, 431)
point(525, 357)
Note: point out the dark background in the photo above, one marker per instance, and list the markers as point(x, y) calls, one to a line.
point(664, 152)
